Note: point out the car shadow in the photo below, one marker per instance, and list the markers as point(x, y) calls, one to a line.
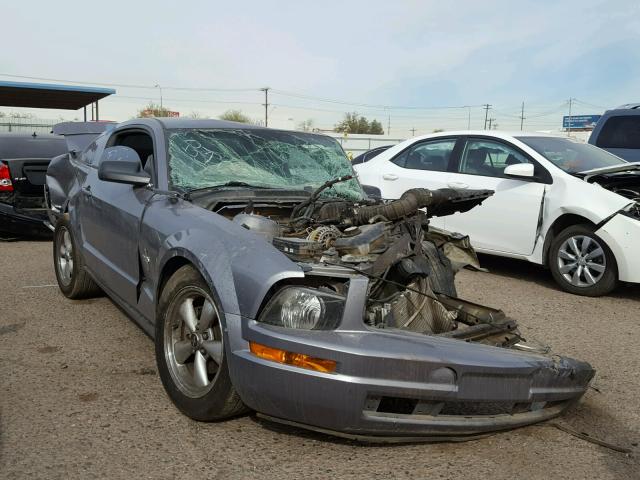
point(312, 435)
point(531, 272)
point(11, 237)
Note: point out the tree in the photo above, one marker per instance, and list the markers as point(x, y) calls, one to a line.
point(197, 115)
point(235, 116)
point(153, 110)
point(438, 130)
point(376, 128)
point(306, 125)
point(352, 123)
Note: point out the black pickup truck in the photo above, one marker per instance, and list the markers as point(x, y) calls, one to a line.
point(24, 159)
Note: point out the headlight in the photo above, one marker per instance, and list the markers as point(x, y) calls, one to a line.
point(304, 308)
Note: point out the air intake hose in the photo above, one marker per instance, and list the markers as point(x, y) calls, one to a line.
point(410, 202)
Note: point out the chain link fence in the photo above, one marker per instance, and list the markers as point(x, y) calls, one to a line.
point(26, 125)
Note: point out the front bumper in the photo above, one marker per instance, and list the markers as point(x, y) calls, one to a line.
point(22, 223)
point(622, 234)
point(399, 385)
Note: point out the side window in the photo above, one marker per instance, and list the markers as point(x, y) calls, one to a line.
point(489, 158)
point(431, 155)
point(139, 141)
point(620, 132)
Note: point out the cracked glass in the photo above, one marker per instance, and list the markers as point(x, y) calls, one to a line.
point(201, 158)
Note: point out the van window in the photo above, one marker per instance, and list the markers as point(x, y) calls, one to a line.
point(620, 132)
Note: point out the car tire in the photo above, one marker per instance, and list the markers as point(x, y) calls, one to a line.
point(582, 263)
point(190, 349)
point(73, 279)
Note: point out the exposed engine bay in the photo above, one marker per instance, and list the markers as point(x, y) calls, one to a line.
point(410, 267)
point(625, 183)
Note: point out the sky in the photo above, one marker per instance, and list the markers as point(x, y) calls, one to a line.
point(409, 64)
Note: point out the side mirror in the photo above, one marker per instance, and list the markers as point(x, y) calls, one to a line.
point(520, 170)
point(122, 165)
point(372, 192)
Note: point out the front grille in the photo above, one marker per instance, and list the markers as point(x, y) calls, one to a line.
point(415, 406)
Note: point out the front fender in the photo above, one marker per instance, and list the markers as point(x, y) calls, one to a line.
point(239, 265)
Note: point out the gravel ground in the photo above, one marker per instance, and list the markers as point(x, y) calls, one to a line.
point(80, 397)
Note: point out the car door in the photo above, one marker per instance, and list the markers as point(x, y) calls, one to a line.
point(110, 216)
point(508, 221)
point(424, 164)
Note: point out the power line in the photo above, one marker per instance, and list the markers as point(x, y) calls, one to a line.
point(125, 85)
point(368, 105)
point(590, 104)
point(184, 100)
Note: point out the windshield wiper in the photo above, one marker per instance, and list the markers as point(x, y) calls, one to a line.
point(233, 183)
point(316, 193)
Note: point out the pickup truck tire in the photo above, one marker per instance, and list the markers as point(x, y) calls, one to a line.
point(190, 349)
point(582, 263)
point(73, 279)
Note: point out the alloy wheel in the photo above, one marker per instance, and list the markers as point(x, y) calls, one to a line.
point(581, 261)
point(193, 342)
point(65, 257)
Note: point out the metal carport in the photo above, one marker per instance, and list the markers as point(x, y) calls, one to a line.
point(43, 95)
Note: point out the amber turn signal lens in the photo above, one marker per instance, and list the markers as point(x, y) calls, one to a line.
point(289, 358)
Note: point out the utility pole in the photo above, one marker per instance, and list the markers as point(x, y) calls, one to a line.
point(160, 88)
point(413, 131)
point(486, 115)
point(388, 122)
point(569, 124)
point(522, 117)
point(468, 118)
point(266, 105)
point(492, 123)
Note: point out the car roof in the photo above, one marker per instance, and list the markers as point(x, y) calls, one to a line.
point(203, 123)
point(487, 133)
point(177, 123)
point(628, 106)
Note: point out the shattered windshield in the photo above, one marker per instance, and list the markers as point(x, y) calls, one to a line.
point(570, 156)
point(202, 158)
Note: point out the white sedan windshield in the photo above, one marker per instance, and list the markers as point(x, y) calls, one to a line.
point(570, 156)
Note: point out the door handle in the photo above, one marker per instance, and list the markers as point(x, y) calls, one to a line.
point(390, 176)
point(457, 185)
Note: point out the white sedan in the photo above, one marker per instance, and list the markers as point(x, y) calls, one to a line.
point(567, 205)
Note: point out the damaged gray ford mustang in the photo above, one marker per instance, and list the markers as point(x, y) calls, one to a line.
point(270, 281)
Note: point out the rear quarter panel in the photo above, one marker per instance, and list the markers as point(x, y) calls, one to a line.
point(60, 181)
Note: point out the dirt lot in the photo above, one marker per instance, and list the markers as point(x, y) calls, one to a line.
point(80, 397)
